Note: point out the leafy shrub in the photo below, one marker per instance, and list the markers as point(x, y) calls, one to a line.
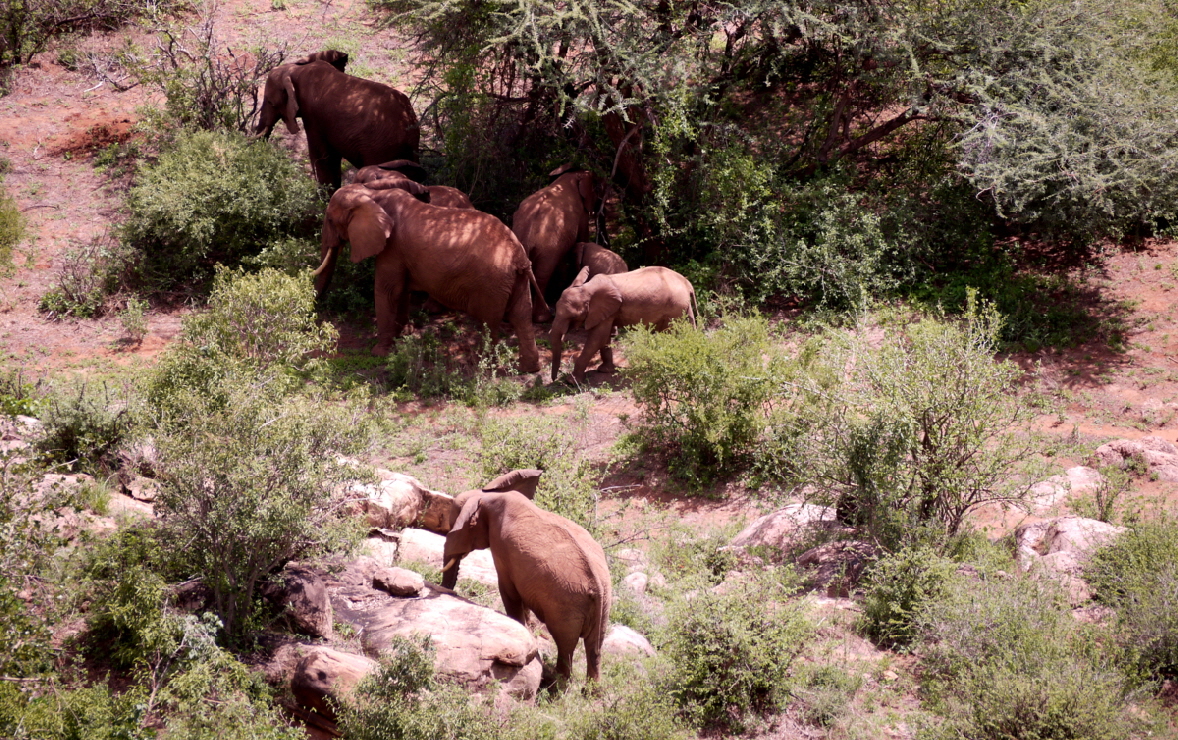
point(548, 444)
point(822, 693)
point(422, 366)
point(248, 486)
point(686, 555)
point(73, 713)
point(17, 396)
point(255, 324)
point(1138, 576)
point(731, 650)
point(84, 429)
point(216, 197)
point(404, 701)
point(87, 276)
point(703, 395)
point(1031, 672)
point(631, 708)
point(134, 319)
point(26, 27)
point(899, 587)
point(12, 230)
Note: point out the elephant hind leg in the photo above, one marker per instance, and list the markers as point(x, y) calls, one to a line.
point(566, 645)
point(519, 313)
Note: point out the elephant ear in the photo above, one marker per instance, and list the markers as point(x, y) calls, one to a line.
point(469, 516)
point(604, 303)
point(291, 109)
point(588, 191)
point(521, 481)
point(566, 167)
point(364, 223)
point(581, 277)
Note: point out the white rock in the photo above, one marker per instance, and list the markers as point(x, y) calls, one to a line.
point(621, 640)
point(323, 677)
point(781, 528)
point(418, 545)
point(381, 550)
point(398, 582)
point(633, 559)
point(636, 582)
point(1074, 482)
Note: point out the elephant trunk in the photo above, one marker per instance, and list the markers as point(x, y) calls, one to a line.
point(450, 572)
point(331, 247)
point(560, 325)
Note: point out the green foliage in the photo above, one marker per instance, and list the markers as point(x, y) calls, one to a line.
point(248, 486)
point(12, 230)
point(924, 429)
point(898, 588)
point(73, 713)
point(703, 394)
point(134, 319)
point(822, 693)
point(256, 325)
point(547, 443)
point(420, 365)
point(1138, 576)
point(1032, 672)
point(404, 701)
point(216, 197)
point(632, 708)
point(686, 555)
point(85, 428)
point(731, 650)
point(17, 396)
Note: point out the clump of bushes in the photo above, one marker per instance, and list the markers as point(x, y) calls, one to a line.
point(84, 428)
point(87, 277)
point(12, 230)
point(216, 197)
point(899, 587)
point(731, 650)
point(1138, 576)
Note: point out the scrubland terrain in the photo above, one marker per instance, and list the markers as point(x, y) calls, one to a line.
point(911, 476)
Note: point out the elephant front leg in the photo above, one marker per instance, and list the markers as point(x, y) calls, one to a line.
point(597, 339)
point(607, 361)
point(392, 308)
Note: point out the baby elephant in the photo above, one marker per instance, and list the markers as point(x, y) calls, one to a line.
point(649, 295)
point(598, 259)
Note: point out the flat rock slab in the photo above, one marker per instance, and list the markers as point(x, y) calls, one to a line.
point(418, 545)
point(783, 528)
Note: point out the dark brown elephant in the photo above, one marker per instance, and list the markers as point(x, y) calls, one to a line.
point(550, 221)
point(465, 259)
point(598, 259)
point(346, 117)
point(648, 295)
point(546, 564)
point(442, 196)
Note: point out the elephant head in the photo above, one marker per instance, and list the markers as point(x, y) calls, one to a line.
point(337, 59)
point(521, 481)
point(586, 184)
point(353, 216)
point(589, 301)
point(279, 100)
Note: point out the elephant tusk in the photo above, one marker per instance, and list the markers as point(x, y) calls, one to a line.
point(450, 564)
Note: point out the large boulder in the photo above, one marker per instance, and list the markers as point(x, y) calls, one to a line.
point(785, 528)
point(1056, 489)
point(418, 545)
point(398, 582)
point(324, 677)
point(1059, 548)
point(398, 501)
point(1158, 455)
point(623, 641)
point(302, 596)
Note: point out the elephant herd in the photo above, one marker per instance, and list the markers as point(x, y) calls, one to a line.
point(431, 238)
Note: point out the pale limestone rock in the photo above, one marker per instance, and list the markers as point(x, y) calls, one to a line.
point(636, 583)
point(633, 559)
point(1074, 482)
point(418, 545)
point(398, 581)
point(783, 528)
point(324, 677)
point(303, 597)
point(623, 641)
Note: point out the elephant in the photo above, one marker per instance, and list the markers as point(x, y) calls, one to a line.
point(598, 259)
point(346, 117)
point(439, 195)
point(546, 564)
point(467, 260)
point(648, 295)
point(550, 221)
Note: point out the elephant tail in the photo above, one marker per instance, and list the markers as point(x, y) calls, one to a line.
point(693, 310)
point(539, 293)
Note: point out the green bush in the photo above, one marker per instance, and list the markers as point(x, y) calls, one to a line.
point(1006, 659)
point(87, 276)
point(27, 27)
point(12, 230)
point(822, 693)
point(216, 197)
point(898, 588)
point(703, 394)
point(1138, 576)
point(255, 325)
point(85, 428)
point(250, 485)
point(731, 650)
point(631, 708)
point(550, 444)
point(73, 713)
point(18, 397)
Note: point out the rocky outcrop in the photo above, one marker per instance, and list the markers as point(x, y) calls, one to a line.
point(1156, 455)
point(1059, 488)
point(1059, 548)
point(473, 645)
point(398, 501)
point(786, 528)
point(623, 641)
point(302, 596)
point(398, 582)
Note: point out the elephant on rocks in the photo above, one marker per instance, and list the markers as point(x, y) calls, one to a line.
point(546, 564)
point(346, 117)
point(649, 295)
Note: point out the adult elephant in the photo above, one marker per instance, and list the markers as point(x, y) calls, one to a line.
point(442, 196)
point(346, 117)
point(550, 221)
point(648, 295)
point(465, 259)
point(546, 564)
